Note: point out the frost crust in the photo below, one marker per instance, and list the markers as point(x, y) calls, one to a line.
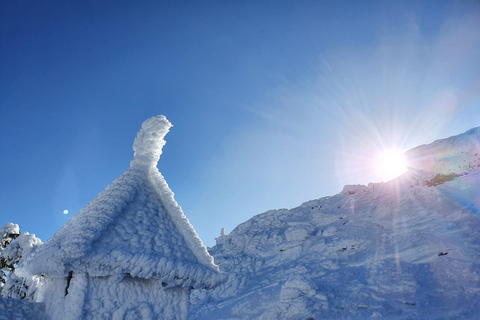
point(133, 227)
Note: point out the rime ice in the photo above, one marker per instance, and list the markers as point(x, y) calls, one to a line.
point(130, 251)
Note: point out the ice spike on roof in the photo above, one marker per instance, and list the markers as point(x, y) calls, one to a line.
point(149, 141)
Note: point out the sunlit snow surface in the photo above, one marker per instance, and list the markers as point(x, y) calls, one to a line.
point(406, 249)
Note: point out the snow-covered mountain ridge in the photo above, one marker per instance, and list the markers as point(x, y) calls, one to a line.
point(456, 155)
point(405, 249)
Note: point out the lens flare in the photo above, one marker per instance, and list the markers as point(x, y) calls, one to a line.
point(390, 164)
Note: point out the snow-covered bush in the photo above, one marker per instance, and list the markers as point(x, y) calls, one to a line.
point(8, 233)
point(14, 247)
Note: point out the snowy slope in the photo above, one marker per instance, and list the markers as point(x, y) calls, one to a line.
point(406, 249)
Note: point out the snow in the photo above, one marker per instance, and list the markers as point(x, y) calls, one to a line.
point(221, 239)
point(457, 154)
point(133, 227)
point(370, 257)
point(400, 250)
point(23, 246)
point(352, 189)
point(21, 288)
point(17, 246)
point(404, 249)
point(7, 233)
point(17, 287)
point(149, 142)
point(21, 309)
point(130, 252)
point(143, 300)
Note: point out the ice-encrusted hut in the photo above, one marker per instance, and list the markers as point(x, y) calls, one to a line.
point(130, 253)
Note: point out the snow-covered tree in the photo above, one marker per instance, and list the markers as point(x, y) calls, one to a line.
point(8, 233)
point(14, 247)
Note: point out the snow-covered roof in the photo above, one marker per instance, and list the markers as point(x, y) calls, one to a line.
point(133, 227)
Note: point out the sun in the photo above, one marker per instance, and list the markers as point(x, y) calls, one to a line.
point(389, 164)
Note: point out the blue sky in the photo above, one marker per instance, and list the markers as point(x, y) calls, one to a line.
point(273, 103)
